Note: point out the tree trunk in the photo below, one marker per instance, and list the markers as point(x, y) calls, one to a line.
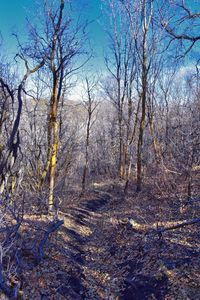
point(141, 130)
point(86, 158)
point(54, 143)
point(143, 98)
point(132, 139)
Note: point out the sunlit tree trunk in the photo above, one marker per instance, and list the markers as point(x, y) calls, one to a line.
point(53, 125)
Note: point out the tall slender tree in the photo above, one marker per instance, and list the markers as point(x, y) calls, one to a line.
point(60, 40)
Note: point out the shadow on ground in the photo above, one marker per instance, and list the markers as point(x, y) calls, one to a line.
point(73, 268)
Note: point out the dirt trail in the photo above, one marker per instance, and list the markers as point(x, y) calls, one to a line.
point(87, 251)
point(98, 260)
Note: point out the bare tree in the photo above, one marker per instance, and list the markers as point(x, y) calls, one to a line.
point(9, 156)
point(184, 27)
point(90, 105)
point(60, 41)
point(140, 18)
point(120, 63)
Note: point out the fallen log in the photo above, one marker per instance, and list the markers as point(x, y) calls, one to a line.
point(179, 225)
point(159, 229)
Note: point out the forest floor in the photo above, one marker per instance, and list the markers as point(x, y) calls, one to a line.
point(98, 254)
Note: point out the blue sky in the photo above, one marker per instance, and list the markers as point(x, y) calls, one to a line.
point(12, 18)
point(13, 15)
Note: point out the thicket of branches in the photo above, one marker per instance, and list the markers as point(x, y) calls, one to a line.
point(139, 123)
